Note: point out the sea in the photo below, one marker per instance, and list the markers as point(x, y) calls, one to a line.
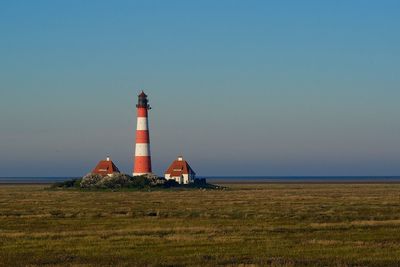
point(235, 179)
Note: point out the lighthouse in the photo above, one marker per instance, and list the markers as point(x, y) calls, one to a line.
point(142, 164)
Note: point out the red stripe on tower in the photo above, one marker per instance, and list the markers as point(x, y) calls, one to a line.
point(142, 163)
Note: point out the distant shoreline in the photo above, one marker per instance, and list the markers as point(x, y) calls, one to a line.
point(237, 180)
point(301, 182)
point(308, 180)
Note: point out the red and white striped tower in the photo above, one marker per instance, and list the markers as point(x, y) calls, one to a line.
point(142, 163)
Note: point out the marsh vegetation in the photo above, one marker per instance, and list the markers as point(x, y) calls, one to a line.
point(277, 225)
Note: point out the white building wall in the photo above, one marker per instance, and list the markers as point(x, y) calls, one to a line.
point(186, 179)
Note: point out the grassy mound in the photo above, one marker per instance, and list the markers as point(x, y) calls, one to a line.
point(120, 181)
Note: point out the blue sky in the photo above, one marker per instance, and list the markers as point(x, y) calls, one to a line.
point(237, 87)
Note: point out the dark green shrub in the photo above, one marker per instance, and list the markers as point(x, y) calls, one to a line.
point(171, 183)
point(139, 182)
point(201, 181)
point(67, 184)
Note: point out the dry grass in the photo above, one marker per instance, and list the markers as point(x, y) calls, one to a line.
point(252, 225)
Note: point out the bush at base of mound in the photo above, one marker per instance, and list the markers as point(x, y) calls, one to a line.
point(116, 180)
point(119, 180)
point(76, 183)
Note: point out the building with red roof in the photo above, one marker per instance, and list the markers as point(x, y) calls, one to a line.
point(180, 171)
point(105, 167)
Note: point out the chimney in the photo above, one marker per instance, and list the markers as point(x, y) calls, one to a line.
point(108, 158)
point(180, 158)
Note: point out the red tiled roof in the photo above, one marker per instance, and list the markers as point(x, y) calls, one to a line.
point(179, 167)
point(105, 167)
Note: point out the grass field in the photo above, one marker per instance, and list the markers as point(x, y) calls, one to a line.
point(266, 225)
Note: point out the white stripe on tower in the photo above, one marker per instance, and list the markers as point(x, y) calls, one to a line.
point(142, 150)
point(142, 124)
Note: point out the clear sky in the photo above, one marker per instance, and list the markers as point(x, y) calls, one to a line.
point(237, 87)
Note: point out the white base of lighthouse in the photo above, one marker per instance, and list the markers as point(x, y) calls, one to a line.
point(139, 174)
point(148, 175)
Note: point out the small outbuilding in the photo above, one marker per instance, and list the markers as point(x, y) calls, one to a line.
point(105, 167)
point(180, 171)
